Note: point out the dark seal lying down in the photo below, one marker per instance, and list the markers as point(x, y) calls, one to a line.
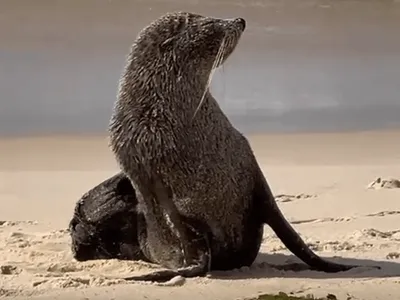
point(194, 198)
point(104, 224)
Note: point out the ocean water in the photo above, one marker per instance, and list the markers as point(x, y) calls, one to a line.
point(300, 65)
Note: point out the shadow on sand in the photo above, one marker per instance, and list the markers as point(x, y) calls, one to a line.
point(289, 266)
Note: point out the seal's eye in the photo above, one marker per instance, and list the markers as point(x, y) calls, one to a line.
point(241, 22)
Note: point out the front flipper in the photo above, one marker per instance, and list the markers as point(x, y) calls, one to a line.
point(169, 232)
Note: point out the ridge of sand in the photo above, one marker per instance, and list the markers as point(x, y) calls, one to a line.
point(322, 191)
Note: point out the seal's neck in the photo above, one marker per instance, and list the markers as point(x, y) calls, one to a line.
point(163, 87)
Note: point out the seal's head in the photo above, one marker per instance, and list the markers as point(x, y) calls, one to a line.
point(186, 43)
point(167, 75)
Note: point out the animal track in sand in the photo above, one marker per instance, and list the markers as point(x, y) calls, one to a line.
point(349, 244)
point(384, 213)
point(345, 219)
point(97, 266)
point(16, 223)
point(62, 283)
point(333, 246)
point(393, 255)
point(21, 240)
point(63, 267)
point(74, 282)
point(339, 246)
point(9, 270)
point(394, 234)
point(55, 234)
point(9, 292)
point(290, 198)
point(322, 220)
point(381, 183)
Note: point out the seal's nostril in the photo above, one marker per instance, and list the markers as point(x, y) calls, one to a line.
point(242, 22)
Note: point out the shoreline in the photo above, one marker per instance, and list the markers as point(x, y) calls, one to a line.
point(57, 152)
point(394, 130)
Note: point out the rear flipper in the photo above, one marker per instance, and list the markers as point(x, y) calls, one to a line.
point(271, 215)
point(104, 224)
point(195, 270)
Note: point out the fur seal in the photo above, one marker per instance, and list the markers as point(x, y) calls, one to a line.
point(191, 195)
point(197, 181)
point(103, 225)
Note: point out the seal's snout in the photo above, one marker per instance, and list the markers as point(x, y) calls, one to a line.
point(241, 22)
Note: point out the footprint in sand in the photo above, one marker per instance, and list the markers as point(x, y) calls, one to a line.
point(21, 240)
point(9, 270)
point(55, 234)
point(9, 292)
point(384, 213)
point(381, 183)
point(393, 255)
point(290, 198)
point(16, 223)
point(339, 246)
point(65, 282)
point(331, 246)
point(371, 232)
point(74, 282)
point(322, 220)
point(64, 268)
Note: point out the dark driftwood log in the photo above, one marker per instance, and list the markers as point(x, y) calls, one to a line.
point(104, 224)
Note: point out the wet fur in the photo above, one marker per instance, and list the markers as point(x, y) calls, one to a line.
point(104, 223)
point(199, 187)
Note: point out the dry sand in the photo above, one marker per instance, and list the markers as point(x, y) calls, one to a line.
point(321, 181)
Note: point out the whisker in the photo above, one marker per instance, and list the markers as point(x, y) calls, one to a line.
point(217, 61)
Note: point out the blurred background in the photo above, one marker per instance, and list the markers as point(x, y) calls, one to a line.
point(300, 66)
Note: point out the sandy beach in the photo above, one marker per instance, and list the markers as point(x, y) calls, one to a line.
point(320, 182)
